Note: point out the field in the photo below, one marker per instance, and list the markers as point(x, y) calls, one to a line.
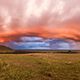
point(40, 66)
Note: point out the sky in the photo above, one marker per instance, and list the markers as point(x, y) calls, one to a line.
point(50, 19)
point(40, 43)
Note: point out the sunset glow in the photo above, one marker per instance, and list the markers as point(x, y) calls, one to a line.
point(44, 18)
point(2, 40)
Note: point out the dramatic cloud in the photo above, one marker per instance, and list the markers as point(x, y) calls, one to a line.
point(45, 18)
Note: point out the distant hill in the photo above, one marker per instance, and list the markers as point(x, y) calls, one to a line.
point(5, 49)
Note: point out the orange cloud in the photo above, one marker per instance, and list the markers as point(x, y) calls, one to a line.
point(45, 18)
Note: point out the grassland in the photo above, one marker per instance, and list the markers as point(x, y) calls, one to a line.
point(40, 66)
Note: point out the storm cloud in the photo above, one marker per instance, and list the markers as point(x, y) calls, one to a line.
point(44, 18)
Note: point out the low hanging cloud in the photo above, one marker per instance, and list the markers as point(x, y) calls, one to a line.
point(44, 18)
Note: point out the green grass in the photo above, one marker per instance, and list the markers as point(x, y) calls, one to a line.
point(40, 66)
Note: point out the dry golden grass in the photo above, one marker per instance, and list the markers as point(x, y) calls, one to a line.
point(40, 66)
